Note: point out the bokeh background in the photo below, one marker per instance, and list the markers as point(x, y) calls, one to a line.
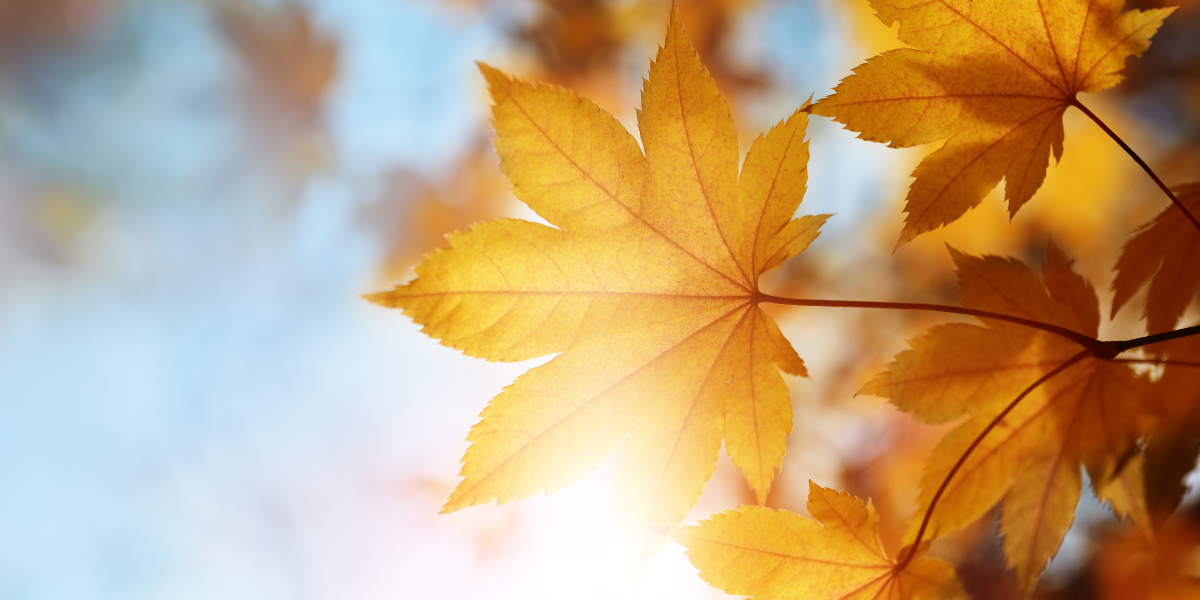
point(195, 402)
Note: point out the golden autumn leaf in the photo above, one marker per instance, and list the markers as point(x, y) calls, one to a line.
point(1027, 455)
point(775, 554)
point(1166, 253)
point(646, 287)
point(993, 78)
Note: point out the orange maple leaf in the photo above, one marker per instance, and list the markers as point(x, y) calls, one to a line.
point(648, 290)
point(775, 554)
point(1174, 444)
point(1165, 252)
point(1129, 566)
point(1028, 453)
point(993, 76)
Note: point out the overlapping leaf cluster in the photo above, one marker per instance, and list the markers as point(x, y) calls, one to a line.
point(646, 286)
point(1088, 414)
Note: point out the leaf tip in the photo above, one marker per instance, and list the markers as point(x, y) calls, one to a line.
point(815, 488)
point(820, 107)
point(379, 298)
point(1054, 253)
point(683, 535)
point(958, 256)
point(762, 492)
point(457, 501)
point(489, 72)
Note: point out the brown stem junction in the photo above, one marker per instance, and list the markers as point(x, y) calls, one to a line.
point(1092, 348)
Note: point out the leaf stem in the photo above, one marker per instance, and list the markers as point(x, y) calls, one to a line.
point(912, 552)
point(1096, 347)
point(1158, 337)
point(1075, 102)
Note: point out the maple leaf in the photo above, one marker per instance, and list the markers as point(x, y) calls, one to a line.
point(1028, 453)
point(769, 554)
point(648, 290)
point(1174, 445)
point(1165, 252)
point(1129, 566)
point(993, 76)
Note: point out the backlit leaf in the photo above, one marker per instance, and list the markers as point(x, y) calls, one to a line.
point(1166, 253)
point(775, 554)
point(993, 78)
point(646, 286)
point(1087, 415)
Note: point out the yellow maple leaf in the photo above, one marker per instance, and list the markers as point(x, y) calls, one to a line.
point(1165, 252)
point(1028, 454)
point(647, 289)
point(993, 76)
point(775, 554)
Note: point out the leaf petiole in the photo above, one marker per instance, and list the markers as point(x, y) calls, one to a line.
point(1158, 337)
point(1094, 346)
point(1075, 102)
point(1097, 348)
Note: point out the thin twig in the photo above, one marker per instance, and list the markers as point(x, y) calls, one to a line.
point(1092, 344)
point(1158, 337)
point(1075, 102)
point(1092, 348)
